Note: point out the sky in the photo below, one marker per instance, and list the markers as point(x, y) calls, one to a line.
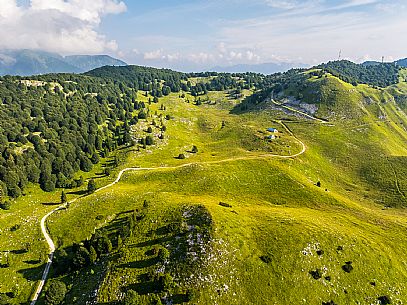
point(199, 35)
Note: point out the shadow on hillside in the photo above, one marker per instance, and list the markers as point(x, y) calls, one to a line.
point(33, 274)
point(33, 262)
point(143, 287)
point(179, 299)
point(79, 193)
point(51, 203)
point(145, 263)
point(152, 242)
point(19, 251)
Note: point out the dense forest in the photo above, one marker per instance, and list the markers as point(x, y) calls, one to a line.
point(50, 130)
point(381, 75)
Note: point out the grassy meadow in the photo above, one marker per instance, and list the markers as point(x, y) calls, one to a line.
point(241, 226)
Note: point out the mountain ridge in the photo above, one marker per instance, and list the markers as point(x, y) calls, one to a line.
point(29, 62)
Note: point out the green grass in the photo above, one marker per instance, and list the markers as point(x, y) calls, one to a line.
point(277, 212)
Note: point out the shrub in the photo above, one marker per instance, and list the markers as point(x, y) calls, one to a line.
point(266, 259)
point(91, 186)
point(316, 274)
point(163, 254)
point(149, 140)
point(194, 149)
point(224, 204)
point(191, 295)
point(181, 156)
point(55, 293)
point(384, 300)
point(6, 205)
point(165, 282)
point(347, 267)
point(132, 298)
point(155, 300)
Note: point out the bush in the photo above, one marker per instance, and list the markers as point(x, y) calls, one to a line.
point(384, 300)
point(165, 282)
point(181, 156)
point(347, 267)
point(149, 140)
point(266, 259)
point(91, 186)
point(132, 298)
point(55, 293)
point(224, 204)
point(191, 295)
point(194, 149)
point(163, 254)
point(155, 300)
point(316, 274)
point(6, 205)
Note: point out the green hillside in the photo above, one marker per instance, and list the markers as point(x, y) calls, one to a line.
point(218, 209)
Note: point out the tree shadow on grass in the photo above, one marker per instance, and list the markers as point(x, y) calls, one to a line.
point(145, 263)
point(51, 203)
point(33, 261)
point(19, 251)
point(179, 298)
point(80, 192)
point(143, 288)
point(33, 274)
point(152, 242)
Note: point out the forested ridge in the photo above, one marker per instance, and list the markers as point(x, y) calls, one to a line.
point(50, 130)
point(381, 75)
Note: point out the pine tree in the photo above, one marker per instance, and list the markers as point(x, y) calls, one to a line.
point(91, 186)
point(63, 197)
point(93, 255)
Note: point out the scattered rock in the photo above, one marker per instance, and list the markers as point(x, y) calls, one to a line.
point(340, 248)
point(373, 283)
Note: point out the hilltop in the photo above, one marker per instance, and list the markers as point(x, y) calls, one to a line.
point(233, 189)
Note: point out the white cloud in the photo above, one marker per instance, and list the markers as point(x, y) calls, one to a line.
point(65, 27)
point(282, 4)
point(157, 54)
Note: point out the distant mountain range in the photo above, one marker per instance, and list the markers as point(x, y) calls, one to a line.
point(265, 68)
point(400, 62)
point(28, 62)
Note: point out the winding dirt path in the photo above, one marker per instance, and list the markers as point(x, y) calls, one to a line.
point(64, 206)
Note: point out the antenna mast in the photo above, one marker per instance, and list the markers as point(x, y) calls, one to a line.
point(382, 59)
point(340, 54)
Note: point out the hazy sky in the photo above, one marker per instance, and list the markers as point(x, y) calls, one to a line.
point(202, 34)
